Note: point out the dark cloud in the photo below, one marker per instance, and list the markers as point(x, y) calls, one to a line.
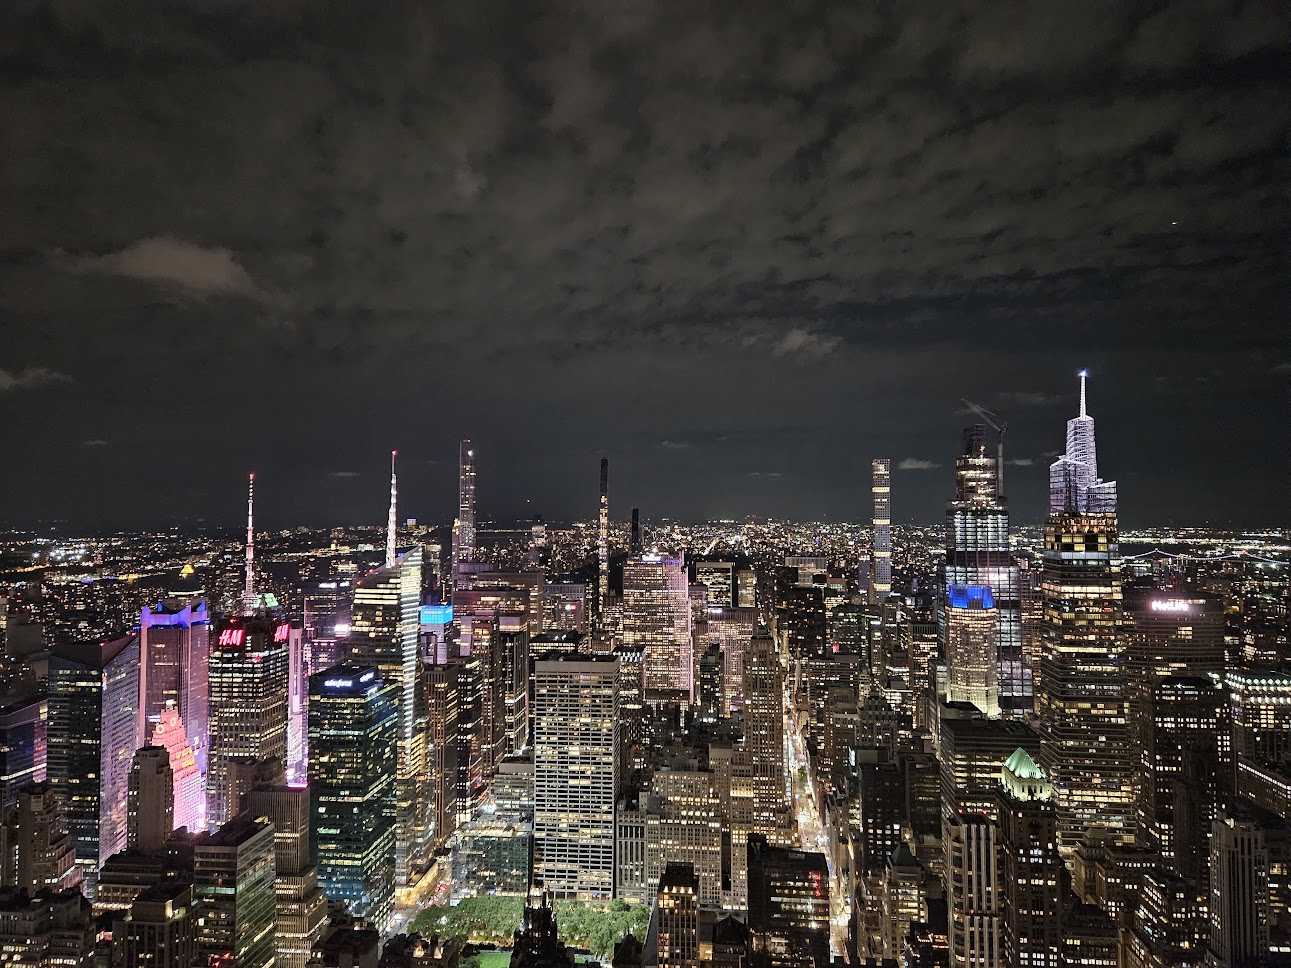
point(30, 378)
point(781, 231)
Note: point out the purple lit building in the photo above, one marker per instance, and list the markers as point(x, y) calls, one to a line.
point(174, 642)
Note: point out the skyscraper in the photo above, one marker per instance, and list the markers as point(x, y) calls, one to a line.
point(974, 888)
point(788, 906)
point(174, 642)
point(656, 616)
point(160, 929)
point(1031, 868)
point(38, 850)
point(385, 628)
point(301, 906)
point(1183, 734)
point(764, 729)
point(977, 553)
point(464, 526)
point(1239, 895)
point(1083, 700)
point(603, 546)
point(150, 815)
point(353, 721)
point(677, 917)
point(881, 542)
point(972, 630)
point(384, 634)
point(248, 682)
point(233, 887)
point(249, 597)
point(23, 744)
point(443, 743)
point(188, 793)
point(576, 742)
point(93, 733)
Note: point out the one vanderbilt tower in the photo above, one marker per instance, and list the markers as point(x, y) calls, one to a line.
point(1082, 697)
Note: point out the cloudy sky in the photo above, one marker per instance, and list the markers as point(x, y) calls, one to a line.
point(740, 248)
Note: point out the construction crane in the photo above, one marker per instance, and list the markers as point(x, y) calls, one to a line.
point(989, 418)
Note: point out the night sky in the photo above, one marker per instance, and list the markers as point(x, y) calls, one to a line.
point(740, 248)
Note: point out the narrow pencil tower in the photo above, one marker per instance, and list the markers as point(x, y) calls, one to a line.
point(603, 546)
point(391, 526)
point(249, 593)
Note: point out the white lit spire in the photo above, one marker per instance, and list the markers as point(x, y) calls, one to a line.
point(390, 522)
point(1083, 374)
point(249, 594)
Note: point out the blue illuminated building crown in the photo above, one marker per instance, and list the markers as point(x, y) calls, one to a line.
point(970, 596)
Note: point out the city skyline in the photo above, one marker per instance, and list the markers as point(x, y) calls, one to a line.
point(738, 252)
point(856, 652)
point(923, 477)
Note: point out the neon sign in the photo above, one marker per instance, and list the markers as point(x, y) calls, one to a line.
point(436, 614)
point(1170, 605)
point(281, 633)
point(233, 637)
point(338, 683)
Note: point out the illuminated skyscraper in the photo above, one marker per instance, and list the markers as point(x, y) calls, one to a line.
point(93, 733)
point(1074, 484)
point(189, 793)
point(248, 682)
point(677, 917)
point(731, 629)
point(302, 908)
point(353, 720)
point(977, 553)
point(603, 547)
point(656, 616)
point(23, 727)
point(576, 745)
point(384, 631)
point(1031, 868)
point(764, 729)
point(1173, 633)
point(233, 886)
point(249, 597)
point(972, 628)
point(1083, 700)
point(174, 642)
point(1183, 742)
point(973, 879)
point(1239, 895)
point(464, 527)
point(881, 542)
point(443, 745)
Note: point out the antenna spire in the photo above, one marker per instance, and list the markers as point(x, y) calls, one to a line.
point(390, 522)
point(1083, 374)
point(249, 594)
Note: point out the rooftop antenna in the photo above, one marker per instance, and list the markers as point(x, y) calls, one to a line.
point(989, 417)
point(1083, 374)
point(390, 522)
point(249, 594)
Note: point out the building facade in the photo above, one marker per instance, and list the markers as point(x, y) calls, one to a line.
point(353, 722)
point(576, 745)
